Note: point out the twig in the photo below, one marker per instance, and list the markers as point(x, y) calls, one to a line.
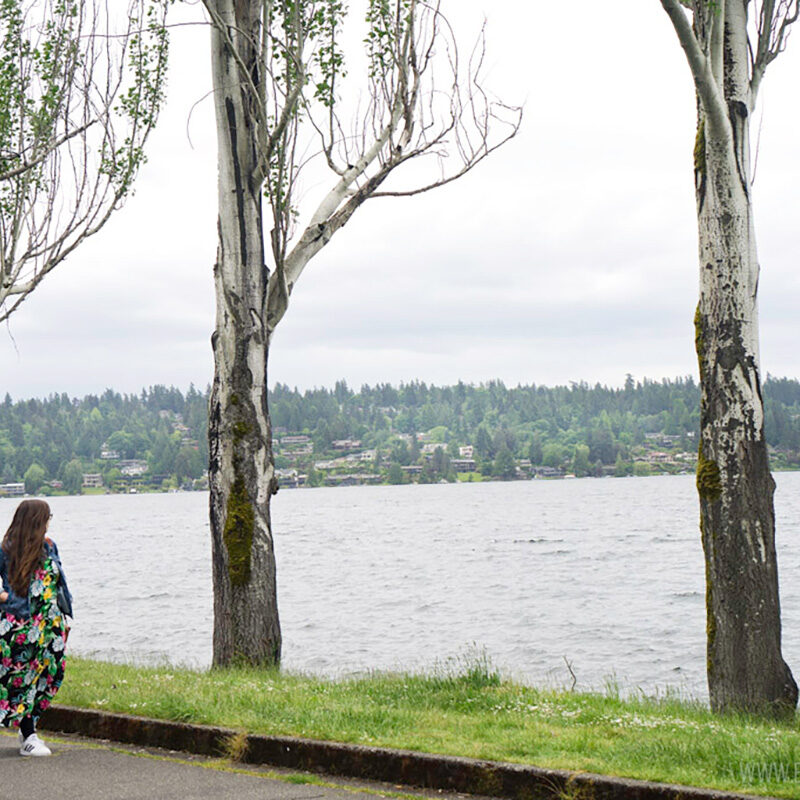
point(572, 673)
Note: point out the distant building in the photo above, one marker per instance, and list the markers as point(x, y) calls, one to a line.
point(467, 451)
point(92, 480)
point(108, 455)
point(463, 464)
point(295, 441)
point(432, 447)
point(133, 467)
point(56, 485)
point(414, 469)
point(548, 472)
point(12, 489)
point(346, 444)
point(364, 455)
point(289, 478)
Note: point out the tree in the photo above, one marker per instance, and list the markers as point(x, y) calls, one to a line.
point(278, 72)
point(483, 443)
point(73, 476)
point(440, 462)
point(504, 466)
point(622, 468)
point(535, 449)
point(728, 55)
point(112, 477)
point(123, 443)
point(400, 453)
point(79, 96)
point(553, 455)
point(34, 478)
point(580, 461)
point(396, 475)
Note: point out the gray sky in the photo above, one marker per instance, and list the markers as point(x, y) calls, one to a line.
point(569, 255)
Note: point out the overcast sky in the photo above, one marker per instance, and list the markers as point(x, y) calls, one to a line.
point(569, 255)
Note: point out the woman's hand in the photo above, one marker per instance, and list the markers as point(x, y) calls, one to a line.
point(3, 597)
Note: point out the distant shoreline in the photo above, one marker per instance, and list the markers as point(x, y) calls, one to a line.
point(362, 485)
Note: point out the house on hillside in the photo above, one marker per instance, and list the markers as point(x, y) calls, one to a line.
point(133, 467)
point(346, 444)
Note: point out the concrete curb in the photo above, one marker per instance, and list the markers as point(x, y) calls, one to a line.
point(446, 773)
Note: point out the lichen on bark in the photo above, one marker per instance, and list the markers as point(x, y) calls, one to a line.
point(700, 149)
point(709, 480)
point(238, 532)
point(240, 430)
point(699, 344)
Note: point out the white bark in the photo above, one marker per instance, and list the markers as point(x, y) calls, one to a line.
point(258, 99)
point(746, 670)
point(246, 626)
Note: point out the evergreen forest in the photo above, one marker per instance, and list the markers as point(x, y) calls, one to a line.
point(377, 434)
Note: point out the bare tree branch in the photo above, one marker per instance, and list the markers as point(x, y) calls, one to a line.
point(701, 63)
point(75, 116)
point(774, 19)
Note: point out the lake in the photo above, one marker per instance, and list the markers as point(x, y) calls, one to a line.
point(607, 574)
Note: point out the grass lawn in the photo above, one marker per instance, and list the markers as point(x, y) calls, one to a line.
point(469, 477)
point(466, 712)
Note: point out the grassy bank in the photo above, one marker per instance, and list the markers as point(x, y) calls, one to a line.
point(468, 712)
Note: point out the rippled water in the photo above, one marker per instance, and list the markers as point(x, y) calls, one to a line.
point(607, 573)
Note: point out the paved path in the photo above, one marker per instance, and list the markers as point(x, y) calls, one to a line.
point(83, 769)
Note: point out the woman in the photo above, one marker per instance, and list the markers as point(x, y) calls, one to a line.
point(34, 600)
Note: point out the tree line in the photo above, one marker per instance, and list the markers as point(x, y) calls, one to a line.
point(59, 438)
point(492, 414)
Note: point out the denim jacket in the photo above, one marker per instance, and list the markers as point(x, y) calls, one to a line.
point(18, 606)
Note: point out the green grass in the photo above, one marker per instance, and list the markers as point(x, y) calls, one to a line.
point(467, 711)
point(470, 477)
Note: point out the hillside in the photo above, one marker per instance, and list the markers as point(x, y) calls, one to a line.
point(412, 432)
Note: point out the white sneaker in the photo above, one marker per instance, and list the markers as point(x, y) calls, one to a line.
point(34, 746)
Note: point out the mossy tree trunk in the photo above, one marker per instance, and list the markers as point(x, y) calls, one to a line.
point(276, 72)
point(746, 670)
point(246, 626)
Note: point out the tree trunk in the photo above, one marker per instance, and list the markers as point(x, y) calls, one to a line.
point(746, 670)
point(246, 627)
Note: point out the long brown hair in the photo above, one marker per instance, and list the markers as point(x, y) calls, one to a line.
point(23, 543)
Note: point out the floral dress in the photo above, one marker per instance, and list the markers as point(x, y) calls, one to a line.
point(32, 651)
